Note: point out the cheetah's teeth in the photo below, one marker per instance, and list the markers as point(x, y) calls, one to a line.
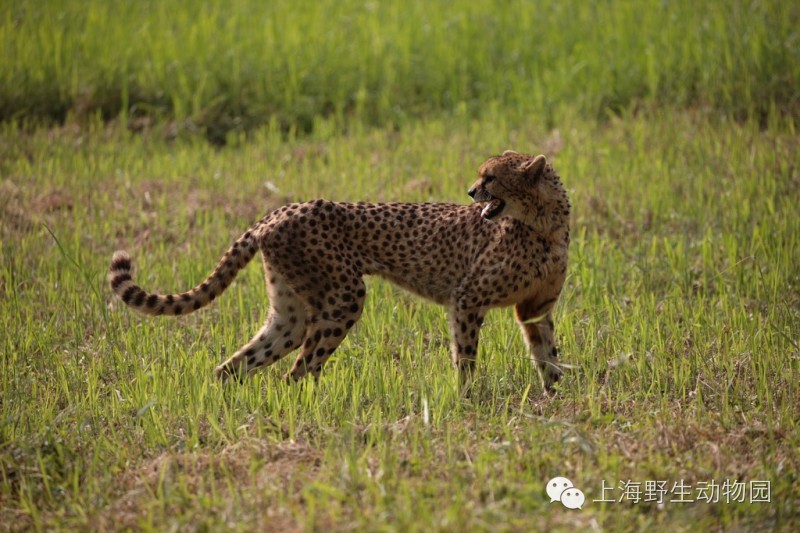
point(493, 208)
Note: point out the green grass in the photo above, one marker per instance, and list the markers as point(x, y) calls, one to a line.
point(673, 125)
point(679, 317)
point(231, 66)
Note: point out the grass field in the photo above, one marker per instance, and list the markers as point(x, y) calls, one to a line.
point(228, 66)
point(679, 323)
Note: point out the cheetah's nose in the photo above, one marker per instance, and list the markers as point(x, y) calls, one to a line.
point(472, 192)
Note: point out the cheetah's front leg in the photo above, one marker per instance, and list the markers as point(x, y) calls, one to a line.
point(465, 325)
point(536, 321)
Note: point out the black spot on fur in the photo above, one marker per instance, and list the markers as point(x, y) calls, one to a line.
point(121, 263)
point(129, 293)
point(139, 300)
point(119, 280)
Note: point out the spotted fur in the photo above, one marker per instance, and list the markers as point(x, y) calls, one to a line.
point(507, 248)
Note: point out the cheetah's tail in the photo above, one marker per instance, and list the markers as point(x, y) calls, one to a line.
point(234, 259)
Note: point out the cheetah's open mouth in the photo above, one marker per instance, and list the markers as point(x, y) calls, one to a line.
point(493, 208)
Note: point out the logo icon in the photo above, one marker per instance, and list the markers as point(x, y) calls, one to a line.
point(560, 489)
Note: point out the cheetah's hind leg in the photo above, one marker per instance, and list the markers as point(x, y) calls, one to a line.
point(335, 313)
point(282, 332)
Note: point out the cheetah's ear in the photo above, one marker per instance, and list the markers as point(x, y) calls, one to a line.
point(510, 152)
point(534, 168)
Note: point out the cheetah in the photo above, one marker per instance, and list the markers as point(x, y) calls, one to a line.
point(509, 247)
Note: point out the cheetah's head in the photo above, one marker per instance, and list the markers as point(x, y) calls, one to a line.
point(513, 185)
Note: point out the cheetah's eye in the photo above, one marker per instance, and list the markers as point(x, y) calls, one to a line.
point(488, 179)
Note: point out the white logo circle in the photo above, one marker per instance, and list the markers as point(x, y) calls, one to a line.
point(573, 498)
point(556, 486)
